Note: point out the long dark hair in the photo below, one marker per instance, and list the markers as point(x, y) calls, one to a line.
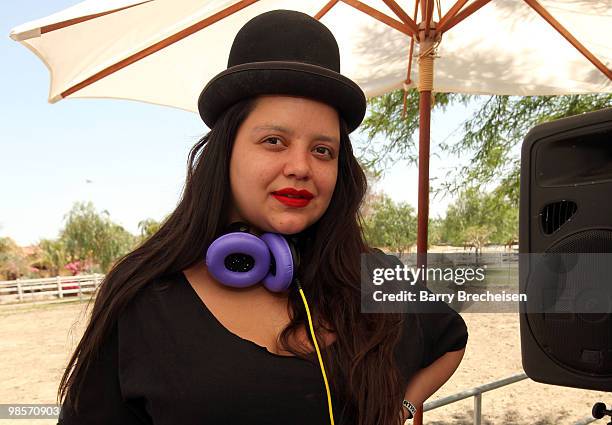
point(361, 361)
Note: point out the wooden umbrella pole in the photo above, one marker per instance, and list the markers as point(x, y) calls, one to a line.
point(426, 61)
point(424, 130)
point(423, 205)
point(425, 90)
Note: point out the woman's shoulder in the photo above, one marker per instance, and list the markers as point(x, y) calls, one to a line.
point(161, 292)
point(375, 257)
point(160, 285)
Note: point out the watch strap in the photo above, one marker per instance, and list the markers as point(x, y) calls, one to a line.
point(410, 407)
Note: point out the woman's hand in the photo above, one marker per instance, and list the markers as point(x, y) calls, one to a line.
point(428, 380)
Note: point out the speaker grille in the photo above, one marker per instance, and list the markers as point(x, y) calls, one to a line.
point(588, 241)
point(554, 215)
point(589, 348)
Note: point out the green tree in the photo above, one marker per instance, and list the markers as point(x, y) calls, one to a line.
point(503, 208)
point(477, 218)
point(53, 255)
point(490, 136)
point(148, 227)
point(435, 229)
point(13, 262)
point(90, 236)
point(477, 236)
point(5, 249)
point(386, 119)
point(390, 225)
point(5, 244)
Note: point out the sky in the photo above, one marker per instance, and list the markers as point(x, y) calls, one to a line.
point(126, 157)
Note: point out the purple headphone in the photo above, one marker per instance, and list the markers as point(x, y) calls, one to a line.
point(240, 259)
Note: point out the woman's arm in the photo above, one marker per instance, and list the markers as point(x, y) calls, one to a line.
point(428, 380)
point(101, 400)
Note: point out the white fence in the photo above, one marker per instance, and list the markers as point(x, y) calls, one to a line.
point(60, 287)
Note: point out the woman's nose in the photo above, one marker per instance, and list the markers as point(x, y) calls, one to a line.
point(297, 164)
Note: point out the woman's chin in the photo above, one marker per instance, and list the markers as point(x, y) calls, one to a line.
point(290, 226)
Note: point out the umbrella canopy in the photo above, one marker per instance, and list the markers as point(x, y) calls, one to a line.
point(165, 51)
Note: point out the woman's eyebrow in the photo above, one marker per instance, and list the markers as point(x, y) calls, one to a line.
point(285, 130)
point(272, 127)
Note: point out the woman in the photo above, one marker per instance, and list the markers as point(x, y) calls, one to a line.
point(168, 343)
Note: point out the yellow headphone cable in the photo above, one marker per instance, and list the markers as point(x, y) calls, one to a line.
point(314, 340)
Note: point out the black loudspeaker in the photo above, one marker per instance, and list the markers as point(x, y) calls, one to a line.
point(566, 207)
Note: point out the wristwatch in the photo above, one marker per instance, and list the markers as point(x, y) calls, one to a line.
point(410, 407)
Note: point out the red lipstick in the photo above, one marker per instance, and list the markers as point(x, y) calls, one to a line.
point(292, 197)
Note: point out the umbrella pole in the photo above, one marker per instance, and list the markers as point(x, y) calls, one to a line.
point(423, 205)
point(425, 89)
point(426, 63)
point(423, 202)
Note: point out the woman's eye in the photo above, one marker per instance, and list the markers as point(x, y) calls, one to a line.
point(324, 151)
point(274, 141)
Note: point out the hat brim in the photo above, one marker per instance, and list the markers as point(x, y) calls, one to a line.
point(284, 78)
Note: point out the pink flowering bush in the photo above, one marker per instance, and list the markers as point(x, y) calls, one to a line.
point(75, 267)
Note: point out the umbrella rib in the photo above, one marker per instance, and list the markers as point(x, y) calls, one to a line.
point(400, 26)
point(416, 11)
point(408, 72)
point(325, 9)
point(230, 10)
point(465, 13)
point(400, 13)
point(569, 37)
point(449, 15)
point(74, 21)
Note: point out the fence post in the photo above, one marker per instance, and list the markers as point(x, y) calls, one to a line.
point(19, 290)
point(60, 292)
point(80, 290)
point(477, 408)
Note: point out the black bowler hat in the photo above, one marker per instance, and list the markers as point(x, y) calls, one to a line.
point(283, 52)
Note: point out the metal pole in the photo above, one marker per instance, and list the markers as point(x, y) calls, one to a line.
point(477, 409)
point(586, 421)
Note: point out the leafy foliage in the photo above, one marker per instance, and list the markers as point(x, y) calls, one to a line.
point(89, 242)
point(390, 225)
point(477, 218)
point(90, 236)
point(386, 118)
point(54, 256)
point(148, 228)
point(435, 229)
point(13, 262)
point(502, 122)
point(490, 138)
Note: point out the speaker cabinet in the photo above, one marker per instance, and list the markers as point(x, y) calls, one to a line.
point(566, 207)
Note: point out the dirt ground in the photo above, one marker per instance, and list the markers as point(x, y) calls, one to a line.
point(36, 341)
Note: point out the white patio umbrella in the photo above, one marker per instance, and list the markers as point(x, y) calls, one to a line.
point(165, 51)
point(125, 48)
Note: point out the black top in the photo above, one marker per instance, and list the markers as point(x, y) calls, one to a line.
point(169, 361)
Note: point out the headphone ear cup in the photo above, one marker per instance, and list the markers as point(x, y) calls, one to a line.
point(281, 251)
point(238, 243)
